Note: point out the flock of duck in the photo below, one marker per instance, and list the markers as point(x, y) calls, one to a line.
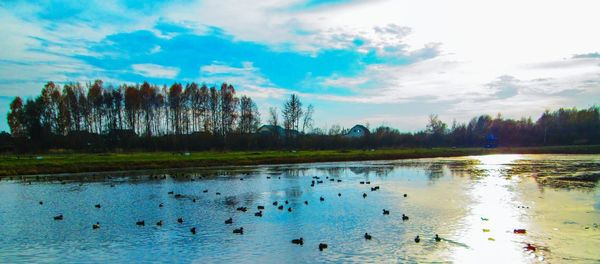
point(260, 208)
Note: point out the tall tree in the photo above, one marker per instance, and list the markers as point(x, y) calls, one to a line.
point(15, 117)
point(249, 116)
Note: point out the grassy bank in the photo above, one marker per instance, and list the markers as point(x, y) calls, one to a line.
point(96, 162)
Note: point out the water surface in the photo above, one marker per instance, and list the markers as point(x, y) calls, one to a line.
point(473, 203)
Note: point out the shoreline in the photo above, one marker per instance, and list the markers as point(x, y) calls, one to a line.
point(108, 163)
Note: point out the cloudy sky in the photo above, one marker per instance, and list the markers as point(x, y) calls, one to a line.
point(375, 62)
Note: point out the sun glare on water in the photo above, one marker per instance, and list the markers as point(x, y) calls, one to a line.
point(492, 217)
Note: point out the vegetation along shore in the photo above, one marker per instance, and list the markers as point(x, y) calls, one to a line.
point(13, 165)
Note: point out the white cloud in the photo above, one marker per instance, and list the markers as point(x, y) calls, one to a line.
point(155, 71)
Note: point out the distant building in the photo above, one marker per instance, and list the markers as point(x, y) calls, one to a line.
point(357, 131)
point(491, 141)
point(275, 130)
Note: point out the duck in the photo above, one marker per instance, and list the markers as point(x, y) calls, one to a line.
point(298, 241)
point(339, 180)
point(180, 220)
point(260, 207)
point(275, 203)
point(367, 236)
point(339, 194)
point(229, 221)
point(373, 189)
point(171, 192)
point(239, 231)
point(41, 202)
point(322, 199)
point(368, 182)
point(243, 209)
point(218, 193)
point(405, 195)
point(404, 217)
point(97, 206)
point(140, 223)
point(161, 205)
point(59, 217)
point(193, 200)
point(286, 202)
point(318, 182)
point(96, 225)
point(437, 238)
point(159, 223)
point(177, 196)
point(280, 207)
point(362, 182)
point(241, 179)
point(364, 195)
point(205, 191)
point(306, 202)
point(193, 230)
point(290, 209)
point(417, 239)
point(259, 214)
point(322, 246)
point(530, 247)
point(386, 212)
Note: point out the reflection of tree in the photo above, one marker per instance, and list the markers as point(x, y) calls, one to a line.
point(434, 171)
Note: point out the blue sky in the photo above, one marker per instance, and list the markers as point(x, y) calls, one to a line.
point(376, 62)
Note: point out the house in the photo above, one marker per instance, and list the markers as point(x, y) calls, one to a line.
point(271, 130)
point(357, 131)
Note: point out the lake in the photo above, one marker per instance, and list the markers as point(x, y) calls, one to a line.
point(473, 203)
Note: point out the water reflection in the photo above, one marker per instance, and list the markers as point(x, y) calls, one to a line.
point(473, 203)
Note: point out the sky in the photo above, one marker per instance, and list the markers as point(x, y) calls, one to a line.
point(371, 62)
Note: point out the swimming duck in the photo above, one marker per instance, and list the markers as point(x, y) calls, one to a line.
point(417, 239)
point(159, 223)
point(243, 209)
point(193, 200)
point(205, 191)
point(299, 241)
point(386, 212)
point(177, 196)
point(180, 220)
point(259, 214)
point(437, 238)
point(339, 194)
point(339, 180)
point(96, 225)
point(286, 202)
point(280, 207)
point(160, 205)
point(306, 202)
point(322, 246)
point(260, 207)
point(530, 247)
point(367, 236)
point(362, 182)
point(290, 209)
point(229, 221)
point(368, 182)
point(364, 195)
point(405, 195)
point(404, 217)
point(59, 217)
point(193, 230)
point(97, 206)
point(140, 223)
point(239, 231)
point(322, 199)
point(171, 192)
point(275, 203)
point(218, 193)
point(41, 202)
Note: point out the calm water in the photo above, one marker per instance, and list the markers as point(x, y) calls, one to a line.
point(473, 203)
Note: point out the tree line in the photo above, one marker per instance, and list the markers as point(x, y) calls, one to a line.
point(93, 117)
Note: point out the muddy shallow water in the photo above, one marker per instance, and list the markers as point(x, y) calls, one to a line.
point(473, 203)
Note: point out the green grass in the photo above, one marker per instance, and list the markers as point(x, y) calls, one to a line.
point(11, 165)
